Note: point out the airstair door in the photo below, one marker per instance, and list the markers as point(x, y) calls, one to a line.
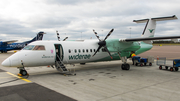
point(59, 52)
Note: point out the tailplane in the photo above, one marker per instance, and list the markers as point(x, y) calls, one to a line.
point(150, 27)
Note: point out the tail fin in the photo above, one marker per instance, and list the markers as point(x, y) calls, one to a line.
point(150, 27)
point(38, 37)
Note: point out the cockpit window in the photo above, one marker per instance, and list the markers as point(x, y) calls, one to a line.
point(29, 47)
point(39, 47)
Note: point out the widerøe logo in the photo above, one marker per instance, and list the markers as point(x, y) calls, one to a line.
point(151, 30)
point(78, 57)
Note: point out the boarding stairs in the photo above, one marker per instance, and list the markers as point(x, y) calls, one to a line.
point(60, 66)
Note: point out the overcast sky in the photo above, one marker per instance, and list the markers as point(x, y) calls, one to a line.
point(23, 19)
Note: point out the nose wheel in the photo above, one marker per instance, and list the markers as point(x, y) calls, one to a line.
point(22, 72)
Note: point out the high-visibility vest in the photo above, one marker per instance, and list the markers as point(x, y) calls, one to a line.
point(132, 55)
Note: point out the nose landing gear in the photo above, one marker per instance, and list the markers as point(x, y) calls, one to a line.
point(22, 72)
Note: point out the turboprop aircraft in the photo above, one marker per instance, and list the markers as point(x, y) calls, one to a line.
point(10, 45)
point(58, 53)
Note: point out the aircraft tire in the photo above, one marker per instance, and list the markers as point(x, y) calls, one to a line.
point(23, 72)
point(127, 66)
point(123, 66)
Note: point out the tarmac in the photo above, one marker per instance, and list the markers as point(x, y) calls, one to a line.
point(101, 81)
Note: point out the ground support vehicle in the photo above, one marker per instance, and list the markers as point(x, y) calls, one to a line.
point(162, 62)
point(138, 60)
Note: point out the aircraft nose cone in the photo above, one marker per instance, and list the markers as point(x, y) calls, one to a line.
point(6, 63)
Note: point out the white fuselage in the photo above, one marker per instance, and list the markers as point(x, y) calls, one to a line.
point(71, 52)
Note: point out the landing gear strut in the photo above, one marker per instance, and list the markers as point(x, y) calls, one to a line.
point(22, 71)
point(124, 66)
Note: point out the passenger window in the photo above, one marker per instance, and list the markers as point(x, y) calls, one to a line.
point(28, 47)
point(83, 50)
point(79, 51)
point(39, 47)
point(94, 50)
point(69, 51)
point(75, 51)
point(87, 50)
point(90, 50)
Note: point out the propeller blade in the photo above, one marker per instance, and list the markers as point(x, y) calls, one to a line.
point(109, 34)
point(65, 39)
point(108, 51)
point(58, 36)
point(97, 50)
point(96, 35)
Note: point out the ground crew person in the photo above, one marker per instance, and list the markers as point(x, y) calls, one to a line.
point(132, 55)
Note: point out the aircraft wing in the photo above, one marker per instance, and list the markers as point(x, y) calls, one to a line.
point(9, 42)
point(148, 38)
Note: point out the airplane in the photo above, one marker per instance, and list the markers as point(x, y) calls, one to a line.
point(59, 53)
point(10, 45)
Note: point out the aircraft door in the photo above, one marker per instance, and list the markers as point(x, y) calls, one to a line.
point(59, 52)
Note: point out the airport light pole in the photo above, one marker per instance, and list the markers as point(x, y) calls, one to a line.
point(130, 32)
point(81, 35)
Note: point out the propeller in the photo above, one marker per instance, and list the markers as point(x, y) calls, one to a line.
point(102, 43)
point(59, 37)
point(65, 39)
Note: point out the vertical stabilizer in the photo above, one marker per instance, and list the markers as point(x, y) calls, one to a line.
point(38, 37)
point(150, 27)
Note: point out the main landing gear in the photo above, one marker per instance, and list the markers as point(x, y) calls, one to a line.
point(125, 65)
point(22, 72)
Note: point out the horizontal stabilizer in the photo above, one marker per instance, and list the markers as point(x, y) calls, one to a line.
point(157, 19)
point(148, 38)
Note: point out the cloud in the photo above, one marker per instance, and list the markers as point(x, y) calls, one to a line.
point(71, 2)
point(77, 18)
point(12, 28)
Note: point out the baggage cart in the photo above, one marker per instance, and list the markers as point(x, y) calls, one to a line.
point(138, 60)
point(162, 62)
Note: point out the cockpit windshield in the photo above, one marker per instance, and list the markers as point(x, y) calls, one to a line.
point(34, 47)
point(39, 47)
point(29, 47)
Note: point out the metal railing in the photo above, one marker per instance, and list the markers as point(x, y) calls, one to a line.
point(161, 61)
